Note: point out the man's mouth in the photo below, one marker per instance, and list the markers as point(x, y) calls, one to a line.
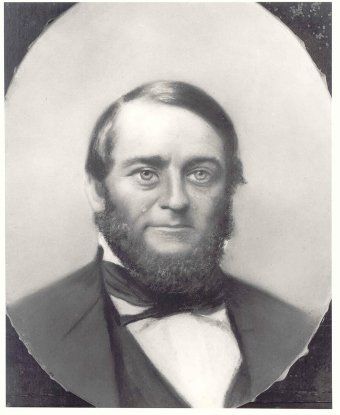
point(174, 232)
point(171, 226)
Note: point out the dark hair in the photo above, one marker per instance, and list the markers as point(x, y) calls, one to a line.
point(99, 161)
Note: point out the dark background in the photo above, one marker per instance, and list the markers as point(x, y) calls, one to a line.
point(309, 382)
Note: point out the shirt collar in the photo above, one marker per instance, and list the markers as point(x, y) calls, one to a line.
point(108, 255)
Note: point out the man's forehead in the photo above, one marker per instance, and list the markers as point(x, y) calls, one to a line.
point(155, 116)
point(143, 127)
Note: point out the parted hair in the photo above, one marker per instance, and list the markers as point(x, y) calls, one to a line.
point(180, 94)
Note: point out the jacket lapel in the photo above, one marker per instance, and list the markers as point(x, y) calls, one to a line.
point(139, 383)
point(269, 332)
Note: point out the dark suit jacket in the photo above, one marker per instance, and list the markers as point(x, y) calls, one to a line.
point(71, 331)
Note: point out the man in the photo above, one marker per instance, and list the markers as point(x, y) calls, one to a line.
point(153, 321)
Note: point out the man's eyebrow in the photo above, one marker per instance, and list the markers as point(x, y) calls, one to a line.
point(155, 161)
point(201, 160)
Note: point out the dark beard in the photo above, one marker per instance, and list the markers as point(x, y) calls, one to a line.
point(190, 279)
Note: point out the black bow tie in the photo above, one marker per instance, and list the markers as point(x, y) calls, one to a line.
point(120, 284)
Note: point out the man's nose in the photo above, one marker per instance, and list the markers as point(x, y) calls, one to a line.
point(174, 195)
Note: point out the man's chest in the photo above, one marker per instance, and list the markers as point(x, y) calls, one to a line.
point(198, 355)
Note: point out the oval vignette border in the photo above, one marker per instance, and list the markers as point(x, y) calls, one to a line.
point(7, 72)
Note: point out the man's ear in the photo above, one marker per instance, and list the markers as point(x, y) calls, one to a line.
point(95, 192)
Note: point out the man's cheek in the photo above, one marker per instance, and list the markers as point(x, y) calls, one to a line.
point(219, 205)
point(209, 211)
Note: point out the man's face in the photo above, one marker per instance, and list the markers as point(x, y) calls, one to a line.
point(169, 175)
point(166, 195)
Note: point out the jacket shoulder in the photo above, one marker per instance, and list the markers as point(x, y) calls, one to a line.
point(264, 306)
point(63, 327)
point(55, 308)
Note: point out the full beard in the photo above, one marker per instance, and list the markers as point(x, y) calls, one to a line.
point(190, 279)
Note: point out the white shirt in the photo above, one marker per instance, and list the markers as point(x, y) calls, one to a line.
point(198, 354)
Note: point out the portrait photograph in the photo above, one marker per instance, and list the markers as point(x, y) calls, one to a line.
point(168, 204)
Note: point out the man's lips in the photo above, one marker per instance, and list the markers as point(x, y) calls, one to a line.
point(171, 226)
point(173, 230)
point(174, 233)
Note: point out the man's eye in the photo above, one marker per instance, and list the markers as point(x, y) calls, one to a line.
point(147, 177)
point(200, 176)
